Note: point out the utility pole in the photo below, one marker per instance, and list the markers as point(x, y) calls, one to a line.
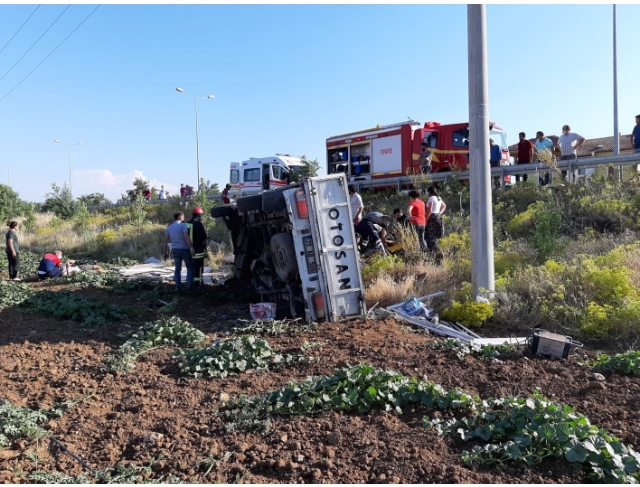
point(482, 264)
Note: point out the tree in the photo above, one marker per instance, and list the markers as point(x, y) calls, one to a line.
point(137, 210)
point(11, 206)
point(309, 169)
point(139, 185)
point(61, 202)
point(94, 199)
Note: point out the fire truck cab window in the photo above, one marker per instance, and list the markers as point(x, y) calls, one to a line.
point(235, 176)
point(431, 139)
point(252, 175)
point(461, 138)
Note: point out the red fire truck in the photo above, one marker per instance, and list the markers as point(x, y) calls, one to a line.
point(394, 150)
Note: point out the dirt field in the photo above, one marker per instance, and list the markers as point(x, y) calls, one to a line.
point(44, 360)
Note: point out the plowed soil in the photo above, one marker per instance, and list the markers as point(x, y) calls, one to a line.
point(44, 360)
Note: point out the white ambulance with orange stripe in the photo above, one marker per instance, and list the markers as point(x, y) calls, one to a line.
point(262, 173)
point(388, 151)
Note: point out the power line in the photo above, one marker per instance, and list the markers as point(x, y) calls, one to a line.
point(54, 50)
point(19, 29)
point(37, 40)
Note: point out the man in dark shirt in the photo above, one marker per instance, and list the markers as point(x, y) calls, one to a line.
point(525, 153)
point(401, 217)
point(198, 235)
point(225, 194)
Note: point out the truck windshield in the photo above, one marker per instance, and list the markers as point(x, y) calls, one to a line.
point(499, 137)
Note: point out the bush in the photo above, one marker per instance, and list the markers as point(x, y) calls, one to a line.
point(470, 314)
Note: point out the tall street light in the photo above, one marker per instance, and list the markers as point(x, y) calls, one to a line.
point(69, 146)
point(196, 98)
point(8, 168)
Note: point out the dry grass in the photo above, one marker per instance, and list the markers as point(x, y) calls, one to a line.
point(414, 280)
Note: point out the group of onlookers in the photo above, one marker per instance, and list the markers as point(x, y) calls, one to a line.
point(424, 217)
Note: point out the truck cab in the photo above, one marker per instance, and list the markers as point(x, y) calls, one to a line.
point(259, 174)
point(449, 145)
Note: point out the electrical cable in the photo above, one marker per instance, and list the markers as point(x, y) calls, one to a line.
point(48, 55)
point(37, 40)
point(19, 29)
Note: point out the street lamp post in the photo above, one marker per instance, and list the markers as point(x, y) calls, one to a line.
point(8, 168)
point(196, 98)
point(69, 146)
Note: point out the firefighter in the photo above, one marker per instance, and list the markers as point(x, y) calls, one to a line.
point(198, 235)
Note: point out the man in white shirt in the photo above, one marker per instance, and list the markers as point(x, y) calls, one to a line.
point(163, 194)
point(566, 142)
point(357, 207)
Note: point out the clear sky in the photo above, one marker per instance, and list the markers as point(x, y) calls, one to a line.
point(285, 78)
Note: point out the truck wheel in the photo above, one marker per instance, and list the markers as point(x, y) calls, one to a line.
point(284, 256)
point(273, 201)
point(222, 211)
point(249, 203)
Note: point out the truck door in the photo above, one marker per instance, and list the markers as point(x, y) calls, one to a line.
point(460, 155)
point(266, 176)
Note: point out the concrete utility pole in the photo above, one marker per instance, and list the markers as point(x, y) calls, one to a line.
point(482, 265)
point(616, 133)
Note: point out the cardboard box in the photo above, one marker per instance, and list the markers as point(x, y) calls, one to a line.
point(262, 311)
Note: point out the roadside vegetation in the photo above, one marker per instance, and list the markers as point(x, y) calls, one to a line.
point(566, 256)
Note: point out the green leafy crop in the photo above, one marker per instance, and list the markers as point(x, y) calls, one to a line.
point(530, 430)
point(625, 363)
point(234, 356)
point(166, 332)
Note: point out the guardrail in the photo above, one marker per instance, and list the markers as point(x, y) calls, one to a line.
point(405, 182)
point(409, 181)
point(175, 201)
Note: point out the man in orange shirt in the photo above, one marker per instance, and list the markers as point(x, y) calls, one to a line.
point(416, 212)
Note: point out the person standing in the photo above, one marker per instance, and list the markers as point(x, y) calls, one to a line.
point(569, 143)
point(543, 144)
point(198, 236)
point(225, 195)
point(183, 191)
point(13, 250)
point(524, 154)
point(433, 215)
point(50, 266)
point(495, 158)
point(181, 249)
point(635, 136)
point(425, 159)
point(357, 207)
point(416, 212)
point(162, 195)
point(147, 194)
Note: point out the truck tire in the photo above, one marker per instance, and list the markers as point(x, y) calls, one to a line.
point(222, 211)
point(249, 203)
point(273, 201)
point(284, 256)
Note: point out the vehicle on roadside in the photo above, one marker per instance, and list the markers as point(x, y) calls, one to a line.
point(259, 174)
point(393, 151)
point(296, 246)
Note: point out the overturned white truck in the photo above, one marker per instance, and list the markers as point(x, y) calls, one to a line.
point(296, 246)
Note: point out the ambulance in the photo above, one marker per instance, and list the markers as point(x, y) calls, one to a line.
point(262, 173)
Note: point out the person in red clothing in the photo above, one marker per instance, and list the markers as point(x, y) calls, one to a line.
point(416, 212)
point(147, 194)
point(225, 194)
point(525, 154)
point(50, 266)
